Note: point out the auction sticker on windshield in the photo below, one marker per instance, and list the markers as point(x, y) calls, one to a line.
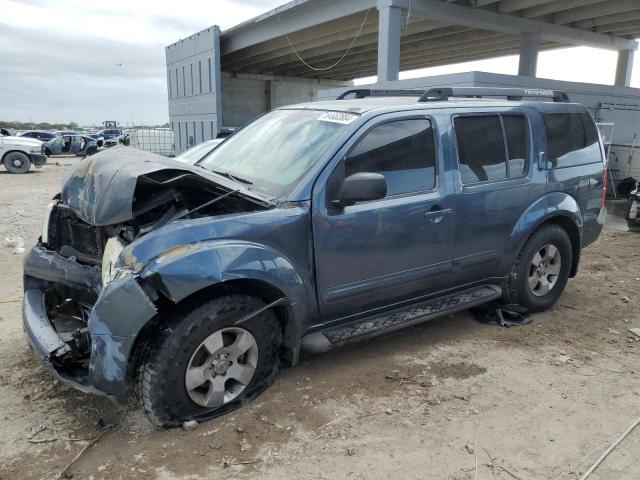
point(338, 117)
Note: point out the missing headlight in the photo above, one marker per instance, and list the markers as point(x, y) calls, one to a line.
point(112, 252)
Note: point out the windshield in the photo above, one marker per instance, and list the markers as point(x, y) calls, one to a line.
point(277, 149)
point(194, 154)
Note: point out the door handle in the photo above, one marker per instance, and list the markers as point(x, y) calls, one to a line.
point(436, 216)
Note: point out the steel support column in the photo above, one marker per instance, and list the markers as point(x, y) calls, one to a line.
point(624, 68)
point(529, 48)
point(391, 13)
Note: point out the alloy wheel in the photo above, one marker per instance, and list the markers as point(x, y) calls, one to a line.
point(544, 270)
point(221, 367)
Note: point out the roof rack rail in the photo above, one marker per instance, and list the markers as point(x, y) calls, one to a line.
point(444, 94)
point(367, 92)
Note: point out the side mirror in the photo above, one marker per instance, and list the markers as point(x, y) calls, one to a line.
point(362, 187)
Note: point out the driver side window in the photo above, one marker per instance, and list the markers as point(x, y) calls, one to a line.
point(403, 151)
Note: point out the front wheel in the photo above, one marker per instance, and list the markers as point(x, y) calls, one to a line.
point(203, 364)
point(542, 270)
point(17, 162)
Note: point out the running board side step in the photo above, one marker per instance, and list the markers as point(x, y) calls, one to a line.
point(406, 316)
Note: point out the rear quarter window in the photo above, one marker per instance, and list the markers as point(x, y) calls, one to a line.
point(572, 139)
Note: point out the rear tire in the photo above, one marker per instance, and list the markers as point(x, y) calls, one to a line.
point(542, 270)
point(162, 382)
point(17, 162)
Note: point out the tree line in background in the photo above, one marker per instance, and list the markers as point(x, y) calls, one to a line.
point(63, 126)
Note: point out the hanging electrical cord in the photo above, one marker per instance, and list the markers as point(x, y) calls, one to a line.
point(324, 69)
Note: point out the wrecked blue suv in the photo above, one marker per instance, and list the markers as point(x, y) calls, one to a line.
point(314, 226)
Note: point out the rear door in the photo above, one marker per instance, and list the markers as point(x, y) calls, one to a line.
point(76, 145)
point(494, 151)
point(373, 254)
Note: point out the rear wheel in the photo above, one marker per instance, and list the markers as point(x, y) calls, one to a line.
point(542, 270)
point(203, 365)
point(17, 162)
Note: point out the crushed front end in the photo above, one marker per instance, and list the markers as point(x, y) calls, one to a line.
point(67, 315)
point(84, 305)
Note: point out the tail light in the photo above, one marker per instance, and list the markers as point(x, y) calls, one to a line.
point(605, 175)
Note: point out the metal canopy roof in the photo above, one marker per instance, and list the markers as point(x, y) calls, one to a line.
point(343, 34)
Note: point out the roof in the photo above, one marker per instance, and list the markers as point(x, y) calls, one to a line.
point(364, 105)
point(339, 39)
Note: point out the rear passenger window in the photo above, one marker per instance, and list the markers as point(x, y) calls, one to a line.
point(572, 139)
point(403, 151)
point(515, 129)
point(483, 154)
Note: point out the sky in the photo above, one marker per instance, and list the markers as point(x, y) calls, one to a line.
point(88, 61)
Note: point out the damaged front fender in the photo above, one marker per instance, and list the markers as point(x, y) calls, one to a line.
point(182, 271)
point(120, 313)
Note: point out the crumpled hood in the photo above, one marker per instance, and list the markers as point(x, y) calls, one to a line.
point(100, 189)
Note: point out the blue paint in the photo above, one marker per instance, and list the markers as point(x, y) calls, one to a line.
point(331, 263)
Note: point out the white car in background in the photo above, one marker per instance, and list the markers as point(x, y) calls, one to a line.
point(198, 152)
point(17, 154)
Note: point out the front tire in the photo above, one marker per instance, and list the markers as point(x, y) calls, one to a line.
point(542, 270)
point(17, 162)
point(203, 365)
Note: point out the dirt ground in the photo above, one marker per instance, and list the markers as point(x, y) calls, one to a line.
point(450, 399)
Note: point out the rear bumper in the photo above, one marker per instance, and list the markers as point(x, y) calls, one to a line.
point(593, 227)
point(121, 310)
point(38, 160)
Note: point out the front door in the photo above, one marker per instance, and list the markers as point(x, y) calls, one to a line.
point(374, 254)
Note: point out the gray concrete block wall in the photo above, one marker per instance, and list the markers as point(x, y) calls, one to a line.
point(246, 96)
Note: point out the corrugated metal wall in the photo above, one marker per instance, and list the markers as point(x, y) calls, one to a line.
point(193, 80)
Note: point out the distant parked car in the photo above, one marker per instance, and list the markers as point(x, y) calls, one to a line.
point(38, 135)
point(97, 137)
point(111, 136)
point(79, 145)
point(59, 133)
point(17, 154)
point(5, 132)
point(197, 153)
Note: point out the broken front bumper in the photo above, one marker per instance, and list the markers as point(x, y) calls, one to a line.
point(38, 160)
point(121, 310)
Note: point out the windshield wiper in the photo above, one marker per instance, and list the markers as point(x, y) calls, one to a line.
point(230, 176)
point(272, 201)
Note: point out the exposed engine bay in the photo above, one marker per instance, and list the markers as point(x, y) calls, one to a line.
point(160, 198)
